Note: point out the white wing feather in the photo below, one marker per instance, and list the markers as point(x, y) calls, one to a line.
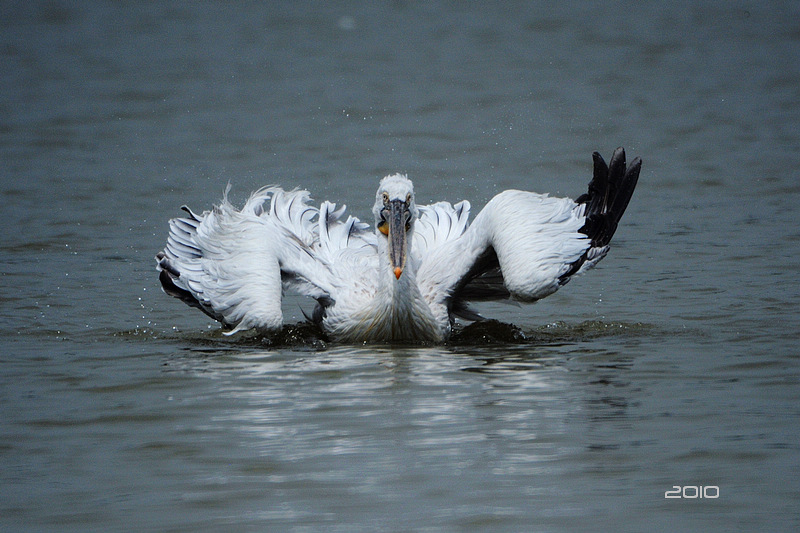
point(532, 238)
point(536, 240)
point(233, 264)
point(437, 224)
point(436, 233)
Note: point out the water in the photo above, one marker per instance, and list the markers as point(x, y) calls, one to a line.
point(673, 363)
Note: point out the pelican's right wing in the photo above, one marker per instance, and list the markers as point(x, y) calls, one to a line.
point(525, 245)
point(232, 264)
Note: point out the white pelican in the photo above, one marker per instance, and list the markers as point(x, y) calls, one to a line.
point(404, 281)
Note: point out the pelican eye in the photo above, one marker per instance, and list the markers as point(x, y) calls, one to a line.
point(385, 199)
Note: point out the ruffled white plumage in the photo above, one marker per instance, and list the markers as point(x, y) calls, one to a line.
point(235, 264)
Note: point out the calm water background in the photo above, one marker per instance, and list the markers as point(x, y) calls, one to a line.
point(676, 362)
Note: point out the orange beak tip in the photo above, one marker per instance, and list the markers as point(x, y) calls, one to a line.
point(397, 272)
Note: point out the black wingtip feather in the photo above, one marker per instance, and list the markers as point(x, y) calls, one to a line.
point(595, 197)
point(166, 278)
point(167, 275)
point(626, 188)
point(609, 193)
point(608, 196)
point(165, 265)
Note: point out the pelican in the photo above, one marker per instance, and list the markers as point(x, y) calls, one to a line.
point(406, 280)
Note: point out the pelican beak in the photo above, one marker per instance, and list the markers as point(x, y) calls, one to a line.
point(398, 213)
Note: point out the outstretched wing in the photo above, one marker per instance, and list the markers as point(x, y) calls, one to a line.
point(233, 264)
point(525, 245)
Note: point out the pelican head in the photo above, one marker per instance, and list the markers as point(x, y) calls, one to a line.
point(395, 212)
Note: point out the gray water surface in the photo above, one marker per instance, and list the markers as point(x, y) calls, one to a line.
point(674, 363)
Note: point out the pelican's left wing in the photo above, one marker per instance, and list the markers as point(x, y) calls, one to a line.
point(525, 245)
point(232, 264)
